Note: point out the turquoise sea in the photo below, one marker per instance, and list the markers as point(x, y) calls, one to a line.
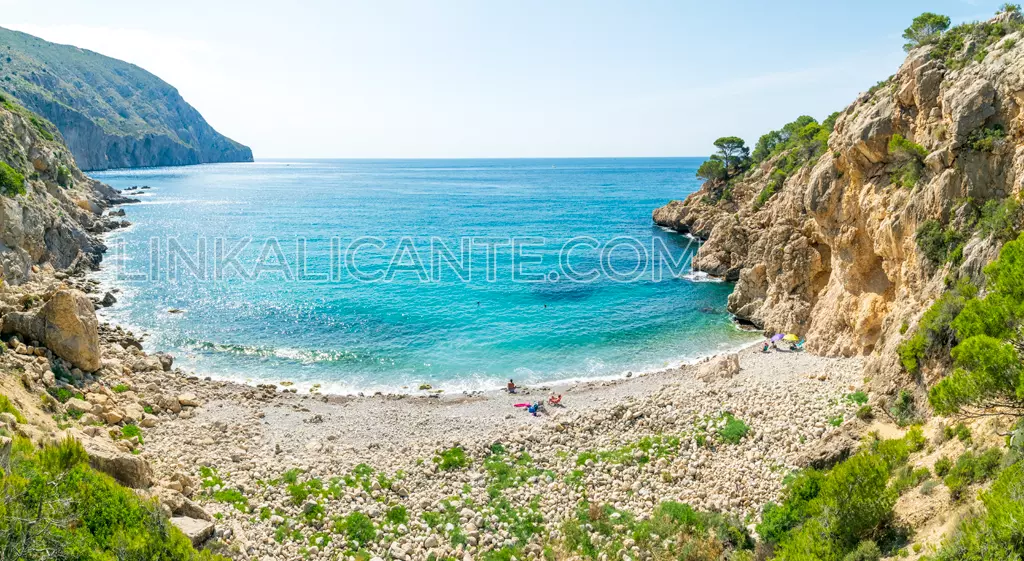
point(365, 275)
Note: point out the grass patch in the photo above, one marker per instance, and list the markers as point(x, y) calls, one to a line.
point(451, 459)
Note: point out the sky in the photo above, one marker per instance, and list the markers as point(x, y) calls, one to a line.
point(471, 79)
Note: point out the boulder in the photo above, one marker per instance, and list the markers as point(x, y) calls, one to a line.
point(721, 367)
point(80, 405)
point(829, 451)
point(188, 400)
point(130, 470)
point(66, 325)
point(198, 531)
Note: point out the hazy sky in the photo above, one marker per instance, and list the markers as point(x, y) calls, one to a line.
point(496, 79)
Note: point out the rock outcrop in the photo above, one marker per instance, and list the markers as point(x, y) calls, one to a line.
point(66, 324)
point(833, 255)
point(111, 114)
point(128, 469)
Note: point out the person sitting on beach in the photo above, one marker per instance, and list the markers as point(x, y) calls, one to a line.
point(555, 400)
point(533, 408)
point(774, 346)
point(765, 349)
point(511, 386)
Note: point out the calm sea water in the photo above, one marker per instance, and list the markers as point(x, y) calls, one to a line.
point(202, 233)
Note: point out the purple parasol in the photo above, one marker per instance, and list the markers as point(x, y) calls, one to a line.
point(777, 337)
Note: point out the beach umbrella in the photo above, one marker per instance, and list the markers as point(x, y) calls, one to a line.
point(777, 337)
point(790, 337)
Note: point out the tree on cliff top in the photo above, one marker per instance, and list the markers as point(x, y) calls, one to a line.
point(732, 158)
point(924, 30)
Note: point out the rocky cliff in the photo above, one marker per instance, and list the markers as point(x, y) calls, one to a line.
point(112, 114)
point(51, 214)
point(850, 249)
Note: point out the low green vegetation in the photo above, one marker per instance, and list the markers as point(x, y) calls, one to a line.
point(734, 429)
point(847, 511)
point(674, 531)
point(12, 182)
point(56, 507)
point(940, 244)
point(908, 158)
point(64, 176)
point(985, 139)
point(857, 398)
point(131, 430)
point(7, 407)
point(63, 394)
point(797, 144)
point(452, 458)
point(971, 468)
point(120, 388)
point(903, 409)
point(995, 531)
point(357, 528)
point(958, 46)
point(935, 330)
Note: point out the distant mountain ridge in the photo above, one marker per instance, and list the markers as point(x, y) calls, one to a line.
point(112, 114)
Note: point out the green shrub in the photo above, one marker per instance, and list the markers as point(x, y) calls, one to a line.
point(130, 430)
point(62, 394)
point(56, 507)
point(12, 182)
point(7, 407)
point(903, 410)
point(64, 176)
point(778, 519)
point(907, 478)
point(942, 466)
point(356, 527)
point(772, 186)
point(996, 531)
point(867, 550)
point(985, 139)
point(865, 413)
point(41, 126)
point(120, 388)
point(935, 330)
point(674, 531)
point(939, 244)
point(452, 458)
point(972, 468)
point(397, 514)
point(1000, 219)
point(970, 41)
point(734, 429)
point(908, 156)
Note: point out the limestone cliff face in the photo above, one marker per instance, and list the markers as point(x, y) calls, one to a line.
point(833, 255)
point(112, 114)
point(56, 222)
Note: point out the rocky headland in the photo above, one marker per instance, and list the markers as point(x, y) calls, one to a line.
point(111, 114)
